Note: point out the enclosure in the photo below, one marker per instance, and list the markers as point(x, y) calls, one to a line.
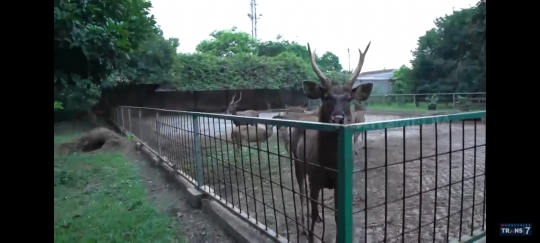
point(419, 179)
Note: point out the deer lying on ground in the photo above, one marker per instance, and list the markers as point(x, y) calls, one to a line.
point(231, 110)
point(251, 134)
point(297, 109)
point(321, 146)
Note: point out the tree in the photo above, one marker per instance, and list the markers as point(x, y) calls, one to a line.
point(451, 56)
point(153, 61)
point(329, 62)
point(403, 77)
point(91, 40)
point(226, 43)
point(275, 48)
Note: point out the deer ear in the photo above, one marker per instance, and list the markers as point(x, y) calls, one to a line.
point(313, 90)
point(362, 92)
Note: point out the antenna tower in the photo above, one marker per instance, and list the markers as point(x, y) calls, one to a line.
point(253, 16)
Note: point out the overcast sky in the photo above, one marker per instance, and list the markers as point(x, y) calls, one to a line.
point(392, 26)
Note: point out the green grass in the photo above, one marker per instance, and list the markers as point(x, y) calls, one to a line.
point(102, 198)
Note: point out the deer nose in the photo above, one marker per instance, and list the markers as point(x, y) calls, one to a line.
point(338, 118)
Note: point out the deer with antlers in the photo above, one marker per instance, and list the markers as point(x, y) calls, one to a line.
point(321, 146)
point(231, 109)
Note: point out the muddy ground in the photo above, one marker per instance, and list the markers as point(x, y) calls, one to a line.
point(262, 185)
point(194, 224)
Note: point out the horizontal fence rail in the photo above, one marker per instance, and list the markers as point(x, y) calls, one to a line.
point(420, 179)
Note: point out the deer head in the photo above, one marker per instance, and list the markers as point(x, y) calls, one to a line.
point(231, 109)
point(336, 98)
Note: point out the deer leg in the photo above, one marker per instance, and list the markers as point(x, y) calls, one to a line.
point(363, 139)
point(300, 179)
point(314, 191)
point(355, 143)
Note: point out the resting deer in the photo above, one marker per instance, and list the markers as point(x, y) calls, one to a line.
point(231, 109)
point(297, 109)
point(321, 146)
point(251, 134)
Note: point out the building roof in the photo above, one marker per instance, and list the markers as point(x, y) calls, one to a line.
point(371, 76)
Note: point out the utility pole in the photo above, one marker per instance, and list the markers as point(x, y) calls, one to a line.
point(253, 16)
point(349, 54)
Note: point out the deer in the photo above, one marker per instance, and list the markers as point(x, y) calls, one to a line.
point(231, 109)
point(297, 109)
point(321, 146)
point(250, 134)
point(359, 116)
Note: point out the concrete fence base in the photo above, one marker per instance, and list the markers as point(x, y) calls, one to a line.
point(238, 229)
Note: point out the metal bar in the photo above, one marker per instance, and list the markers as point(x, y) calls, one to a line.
point(275, 122)
point(140, 125)
point(129, 121)
point(158, 134)
point(197, 147)
point(370, 126)
point(122, 112)
point(345, 182)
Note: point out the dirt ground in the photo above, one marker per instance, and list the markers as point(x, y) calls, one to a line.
point(262, 185)
point(194, 224)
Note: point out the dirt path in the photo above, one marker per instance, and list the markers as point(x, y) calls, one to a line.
point(196, 225)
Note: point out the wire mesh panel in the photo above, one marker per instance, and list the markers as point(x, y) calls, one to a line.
point(249, 168)
point(420, 180)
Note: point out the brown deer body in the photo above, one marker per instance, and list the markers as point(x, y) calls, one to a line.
point(231, 109)
point(296, 109)
point(321, 146)
point(359, 116)
point(251, 134)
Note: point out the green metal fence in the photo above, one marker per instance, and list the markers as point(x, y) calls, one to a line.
point(199, 147)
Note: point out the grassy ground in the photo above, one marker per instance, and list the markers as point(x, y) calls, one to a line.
point(101, 198)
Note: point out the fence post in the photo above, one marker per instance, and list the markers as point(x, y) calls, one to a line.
point(122, 112)
point(454, 101)
point(140, 125)
point(197, 148)
point(344, 187)
point(414, 100)
point(129, 121)
point(158, 133)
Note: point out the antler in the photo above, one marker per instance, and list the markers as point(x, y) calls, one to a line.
point(356, 72)
point(239, 98)
point(325, 82)
point(232, 100)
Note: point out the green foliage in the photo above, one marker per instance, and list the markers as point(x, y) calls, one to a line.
point(403, 77)
point(432, 100)
point(227, 43)
point(93, 42)
point(451, 56)
point(233, 60)
point(58, 105)
point(399, 87)
point(209, 72)
point(329, 62)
